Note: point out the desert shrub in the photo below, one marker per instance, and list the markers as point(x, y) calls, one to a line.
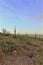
point(28, 43)
point(41, 39)
point(5, 32)
point(0, 32)
point(7, 46)
point(24, 38)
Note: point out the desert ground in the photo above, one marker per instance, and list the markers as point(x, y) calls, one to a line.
point(21, 50)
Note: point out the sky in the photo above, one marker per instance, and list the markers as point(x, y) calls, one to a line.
point(26, 15)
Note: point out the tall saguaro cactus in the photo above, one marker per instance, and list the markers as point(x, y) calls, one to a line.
point(35, 35)
point(15, 32)
point(4, 31)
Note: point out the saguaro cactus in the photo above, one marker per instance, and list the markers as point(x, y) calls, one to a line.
point(15, 32)
point(4, 31)
point(35, 35)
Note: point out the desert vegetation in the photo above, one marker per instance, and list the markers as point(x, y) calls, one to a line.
point(20, 50)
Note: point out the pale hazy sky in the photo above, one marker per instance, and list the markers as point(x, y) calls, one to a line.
point(27, 15)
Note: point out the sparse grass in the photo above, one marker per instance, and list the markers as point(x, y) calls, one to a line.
point(7, 46)
point(23, 45)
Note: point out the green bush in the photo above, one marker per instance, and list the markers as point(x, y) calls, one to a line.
point(8, 46)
